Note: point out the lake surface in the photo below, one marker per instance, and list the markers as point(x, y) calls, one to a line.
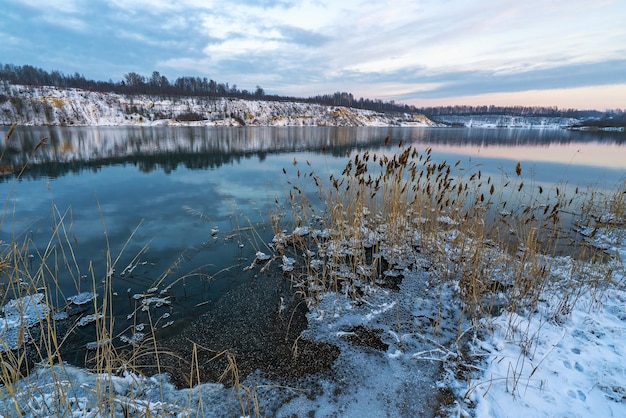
point(186, 208)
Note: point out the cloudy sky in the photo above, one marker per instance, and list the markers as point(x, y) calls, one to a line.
point(566, 53)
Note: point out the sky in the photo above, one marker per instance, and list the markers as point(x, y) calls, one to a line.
point(565, 53)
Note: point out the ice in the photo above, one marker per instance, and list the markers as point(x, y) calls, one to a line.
point(88, 319)
point(60, 316)
point(288, 263)
point(83, 394)
point(261, 256)
point(82, 298)
point(377, 372)
point(133, 340)
point(19, 315)
point(301, 231)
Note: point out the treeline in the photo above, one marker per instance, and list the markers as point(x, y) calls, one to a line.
point(158, 84)
point(348, 100)
point(133, 83)
point(540, 111)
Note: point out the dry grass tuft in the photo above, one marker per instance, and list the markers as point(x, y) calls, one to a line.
point(29, 283)
point(495, 240)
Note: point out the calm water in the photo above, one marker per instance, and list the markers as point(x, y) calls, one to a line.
point(157, 193)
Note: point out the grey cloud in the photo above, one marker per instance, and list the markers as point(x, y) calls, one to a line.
point(568, 76)
point(468, 83)
point(303, 37)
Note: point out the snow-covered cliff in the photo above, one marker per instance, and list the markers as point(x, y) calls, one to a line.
point(506, 121)
point(27, 105)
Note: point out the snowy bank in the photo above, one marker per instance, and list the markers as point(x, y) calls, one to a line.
point(27, 105)
point(506, 121)
point(565, 359)
point(562, 360)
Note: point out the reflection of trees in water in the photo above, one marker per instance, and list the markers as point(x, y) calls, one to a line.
point(70, 150)
point(509, 137)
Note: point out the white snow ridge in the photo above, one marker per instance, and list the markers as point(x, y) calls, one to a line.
point(73, 107)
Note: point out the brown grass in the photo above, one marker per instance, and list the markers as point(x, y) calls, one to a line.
point(27, 271)
point(494, 239)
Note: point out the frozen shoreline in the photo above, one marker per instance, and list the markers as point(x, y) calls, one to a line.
point(391, 363)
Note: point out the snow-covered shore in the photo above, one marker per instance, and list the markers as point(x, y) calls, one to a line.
point(564, 359)
point(27, 105)
point(506, 121)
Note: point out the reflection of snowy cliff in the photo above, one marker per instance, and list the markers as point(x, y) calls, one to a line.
point(27, 105)
point(505, 121)
point(82, 144)
point(71, 149)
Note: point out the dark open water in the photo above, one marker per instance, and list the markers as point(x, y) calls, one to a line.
point(187, 208)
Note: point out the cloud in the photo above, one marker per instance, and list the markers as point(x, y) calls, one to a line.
point(465, 83)
point(304, 37)
point(160, 7)
point(241, 47)
point(270, 4)
point(7, 39)
point(74, 24)
point(400, 49)
point(588, 97)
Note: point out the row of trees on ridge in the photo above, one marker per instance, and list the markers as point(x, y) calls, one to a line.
point(158, 84)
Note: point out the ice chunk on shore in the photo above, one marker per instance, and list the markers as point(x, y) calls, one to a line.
point(88, 319)
point(82, 298)
point(19, 314)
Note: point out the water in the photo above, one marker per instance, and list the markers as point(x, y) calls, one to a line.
point(189, 207)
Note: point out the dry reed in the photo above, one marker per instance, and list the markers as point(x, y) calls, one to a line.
point(494, 239)
point(29, 274)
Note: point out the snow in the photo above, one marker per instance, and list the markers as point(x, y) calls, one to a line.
point(19, 315)
point(561, 360)
point(568, 364)
point(570, 369)
point(388, 376)
point(505, 121)
point(57, 106)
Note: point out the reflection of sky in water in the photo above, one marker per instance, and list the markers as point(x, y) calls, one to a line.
point(593, 154)
point(232, 185)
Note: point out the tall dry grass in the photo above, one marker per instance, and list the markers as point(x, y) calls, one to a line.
point(29, 281)
point(494, 239)
point(488, 245)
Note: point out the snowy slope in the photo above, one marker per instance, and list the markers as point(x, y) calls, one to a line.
point(28, 105)
point(506, 121)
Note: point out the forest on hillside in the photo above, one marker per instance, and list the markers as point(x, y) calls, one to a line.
point(159, 85)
